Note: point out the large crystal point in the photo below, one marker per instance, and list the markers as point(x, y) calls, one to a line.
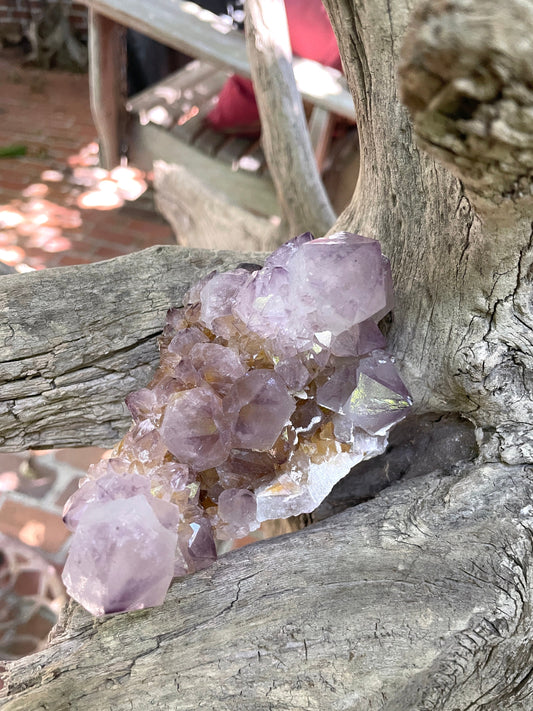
point(273, 383)
point(358, 291)
point(108, 487)
point(120, 558)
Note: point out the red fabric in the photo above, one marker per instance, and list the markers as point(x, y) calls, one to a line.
point(311, 33)
point(311, 37)
point(236, 110)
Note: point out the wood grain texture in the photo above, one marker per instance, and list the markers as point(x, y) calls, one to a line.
point(418, 599)
point(466, 76)
point(243, 189)
point(285, 136)
point(107, 85)
point(182, 196)
point(75, 341)
point(463, 321)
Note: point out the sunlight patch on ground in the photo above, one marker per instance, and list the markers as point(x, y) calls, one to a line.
point(37, 222)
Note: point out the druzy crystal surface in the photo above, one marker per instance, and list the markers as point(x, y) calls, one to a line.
point(272, 385)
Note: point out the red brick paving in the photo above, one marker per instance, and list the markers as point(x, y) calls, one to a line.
point(49, 114)
point(33, 526)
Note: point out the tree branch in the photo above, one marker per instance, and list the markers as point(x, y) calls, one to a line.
point(75, 341)
point(285, 136)
point(462, 323)
point(418, 599)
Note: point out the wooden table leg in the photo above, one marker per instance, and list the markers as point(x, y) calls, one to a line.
point(107, 82)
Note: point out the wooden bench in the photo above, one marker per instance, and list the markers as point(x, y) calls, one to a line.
point(167, 120)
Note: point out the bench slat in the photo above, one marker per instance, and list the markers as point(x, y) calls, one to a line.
point(171, 88)
point(234, 149)
point(254, 160)
point(199, 33)
point(210, 141)
point(248, 190)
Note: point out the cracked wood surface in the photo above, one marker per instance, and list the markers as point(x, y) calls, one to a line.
point(418, 599)
point(473, 110)
point(461, 260)
point(75, 341)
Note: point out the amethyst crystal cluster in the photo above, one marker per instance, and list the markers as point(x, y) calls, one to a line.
point(273, 384)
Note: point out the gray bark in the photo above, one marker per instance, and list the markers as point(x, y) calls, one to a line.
point(463, 321)
point(285, 137)
point(418, 599)
point(75, 341)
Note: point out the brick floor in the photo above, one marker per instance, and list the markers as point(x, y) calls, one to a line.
point(49, 114)
point(33, 526)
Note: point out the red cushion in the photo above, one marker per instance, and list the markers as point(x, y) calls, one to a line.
point(311, 37)
point(236, 109)
point(311, 33)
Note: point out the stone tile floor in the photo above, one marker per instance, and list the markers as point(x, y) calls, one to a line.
point(44, 222)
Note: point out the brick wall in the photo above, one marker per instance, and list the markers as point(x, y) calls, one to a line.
point(15, 15)
point(78, 17)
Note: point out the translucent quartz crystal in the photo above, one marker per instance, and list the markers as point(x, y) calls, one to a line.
point(237, 511)
point(273, 383)
point(259, 406)
point(108, 487)
point(120, 558)
point(194, 428)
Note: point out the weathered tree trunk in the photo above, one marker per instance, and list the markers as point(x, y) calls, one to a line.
point(421, 597)
point(418, 599)
point(461, 247)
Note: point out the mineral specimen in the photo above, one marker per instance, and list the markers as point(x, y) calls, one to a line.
point(272, 385)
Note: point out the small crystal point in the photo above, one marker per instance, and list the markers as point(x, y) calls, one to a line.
point(218, 365)
point(335, 390)
point(237, 510)
point(201, 545)
point(360, 339)
point(380, 398)
point(218, 294)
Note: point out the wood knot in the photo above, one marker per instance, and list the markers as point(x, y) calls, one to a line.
point(466, 74)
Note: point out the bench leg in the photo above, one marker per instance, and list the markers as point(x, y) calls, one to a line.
point(321, 126)
point(107, 83)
